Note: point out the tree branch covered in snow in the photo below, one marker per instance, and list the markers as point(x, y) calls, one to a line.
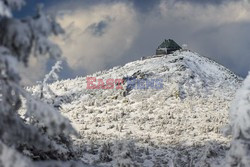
point(239, 154)
point(12, 158)
point(7, 5)
point(21, 36)
point(43, 125)
point(51, 76)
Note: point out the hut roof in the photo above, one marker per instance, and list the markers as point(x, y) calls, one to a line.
point(170, 44)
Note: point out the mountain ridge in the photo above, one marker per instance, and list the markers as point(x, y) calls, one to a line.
point(172, 125)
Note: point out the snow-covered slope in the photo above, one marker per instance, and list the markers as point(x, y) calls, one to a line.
point(178, 125)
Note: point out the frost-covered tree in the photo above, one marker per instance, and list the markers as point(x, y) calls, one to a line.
point(239, 153)
point(51, 76)
point(40, 131)
point(124, 154)
point(12, 158)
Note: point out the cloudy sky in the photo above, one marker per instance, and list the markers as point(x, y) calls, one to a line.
point(101, 34)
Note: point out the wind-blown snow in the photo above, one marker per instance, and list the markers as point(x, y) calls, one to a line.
point(178, 125)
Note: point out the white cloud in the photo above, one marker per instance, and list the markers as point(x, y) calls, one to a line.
point(86, 51)
point(35, 71)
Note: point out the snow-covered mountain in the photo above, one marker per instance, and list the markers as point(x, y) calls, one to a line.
point(178, 125)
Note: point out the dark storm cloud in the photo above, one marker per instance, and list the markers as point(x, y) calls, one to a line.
point(140, 5)
point(148, 5)
point(206, 1)
point(97, 29)
point(144, 5)
point(227, 44)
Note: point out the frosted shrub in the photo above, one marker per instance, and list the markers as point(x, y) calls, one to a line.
point(105, 153)
point(51, 76)
point(39, 131)
point(124, 154)
point(12, 158)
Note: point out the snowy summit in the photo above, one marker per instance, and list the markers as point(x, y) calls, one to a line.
point(174, 109)
point(178, 124)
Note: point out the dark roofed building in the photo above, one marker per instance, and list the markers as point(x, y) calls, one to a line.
point(167, 47)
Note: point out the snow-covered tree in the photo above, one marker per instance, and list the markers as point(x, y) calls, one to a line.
point(239, 153)
point(41, 129)
point(124, 153)
point(51, 76)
